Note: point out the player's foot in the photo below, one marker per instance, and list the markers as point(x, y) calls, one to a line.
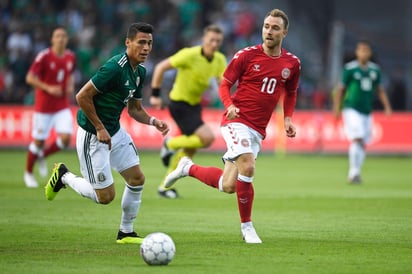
point(42, 164)
point(166, 153)
point(128, 238)
point(29, 180)
point(181, 170)
point(170, 193)
point(355, 180)
point(249, 233)
point(55, 182)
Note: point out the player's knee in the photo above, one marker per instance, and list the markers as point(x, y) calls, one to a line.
point(230, 189)
point(136, 180)
point(105, 198)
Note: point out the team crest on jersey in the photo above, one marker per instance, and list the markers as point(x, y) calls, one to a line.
point(373, 75)
point(52, 65)
point(285, 73)
point(244, 142)
point(69, 66)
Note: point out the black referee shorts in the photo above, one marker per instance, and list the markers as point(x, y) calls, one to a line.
point(187, 117)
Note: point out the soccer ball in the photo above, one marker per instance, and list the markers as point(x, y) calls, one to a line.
point(157, 249)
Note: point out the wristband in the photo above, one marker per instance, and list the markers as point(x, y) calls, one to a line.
point(151, 120)
point(156, 92)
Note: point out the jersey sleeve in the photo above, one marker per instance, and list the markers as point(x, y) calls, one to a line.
point(37, 65)
point(181, 58)
point(142, 73)
point(235, 68)
point(293, 82)
point(103, 79)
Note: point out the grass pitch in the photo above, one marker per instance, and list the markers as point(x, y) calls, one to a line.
point(309, 218)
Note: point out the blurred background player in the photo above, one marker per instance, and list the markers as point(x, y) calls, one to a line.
point(51, 74)
point(101, 143)
point(354, 97)
point(264, 72)
point(197, 67)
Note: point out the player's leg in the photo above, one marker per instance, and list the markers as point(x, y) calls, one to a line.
point(63, 124)
point(41, 126)
point(97, 180)
point(125, 159)
point(355, 132)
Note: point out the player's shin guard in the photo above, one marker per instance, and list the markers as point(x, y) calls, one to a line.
point(207, 175)
point(131, 200)
point(245, 196)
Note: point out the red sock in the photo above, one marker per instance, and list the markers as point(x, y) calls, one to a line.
point(245, 195)
point(207, 175)
point(51, 149)
point(31, 159)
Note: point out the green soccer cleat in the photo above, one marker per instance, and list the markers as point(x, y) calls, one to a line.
point(55, 182)
point(128, 238)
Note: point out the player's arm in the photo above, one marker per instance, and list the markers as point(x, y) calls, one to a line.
point(34, 81)
point(289, 103)
point(232, 111)
point(70, 85)
point(337, 99)
point(157, 79)
point(85, 100)
point(384, 100)
point(137, 112)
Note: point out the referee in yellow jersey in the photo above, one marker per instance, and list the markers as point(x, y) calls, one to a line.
point(196, 68)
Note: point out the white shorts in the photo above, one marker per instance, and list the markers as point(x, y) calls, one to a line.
point(240, 139)
point(357, 125)
point(42, 123)
point(96, 160)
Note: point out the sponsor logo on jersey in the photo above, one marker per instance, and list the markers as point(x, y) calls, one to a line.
point(256, 67)
point(127, 83)
point(137, 81)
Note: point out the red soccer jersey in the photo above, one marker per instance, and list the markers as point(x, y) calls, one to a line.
point(261, 81)
point(53, 70)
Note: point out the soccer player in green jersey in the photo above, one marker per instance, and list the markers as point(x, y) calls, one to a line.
point(197, 67)
point(361, 79)
point(101, 143)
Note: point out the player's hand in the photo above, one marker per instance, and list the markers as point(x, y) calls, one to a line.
point(103, 136)
point(55, 90)
point(232, 112)
point(156, 102)
point(289, 127)
point(161, 126)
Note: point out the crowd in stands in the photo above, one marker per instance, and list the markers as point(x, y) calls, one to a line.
point(97, 27)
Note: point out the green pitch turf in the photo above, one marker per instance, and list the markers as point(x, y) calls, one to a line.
point(309, 218)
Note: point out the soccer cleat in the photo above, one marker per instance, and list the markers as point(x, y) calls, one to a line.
point(166, 153)
point(181, 170)
point(170, 193)
point(55, 182)
point(355, 180)
point(249, 234)
point(128, 238)
point(42, 164)
point(29, 180)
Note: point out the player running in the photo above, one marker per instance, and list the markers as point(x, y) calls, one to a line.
point(51, 74)
point(263, 73)
point(102, 144)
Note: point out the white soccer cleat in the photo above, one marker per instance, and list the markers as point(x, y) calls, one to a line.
point(249, 233)
point(29, 180)
point(181, 170)
point(42, 164)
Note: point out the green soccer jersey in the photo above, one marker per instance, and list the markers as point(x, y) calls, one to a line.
point(361, 84)
point(194, 73)
point(116, 82)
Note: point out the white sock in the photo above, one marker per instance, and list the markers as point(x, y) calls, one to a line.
point(80, 185)
point(131, 200)
point(36, 150)
point(353, 159)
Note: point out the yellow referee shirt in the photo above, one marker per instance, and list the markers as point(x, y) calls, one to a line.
point(194, 73)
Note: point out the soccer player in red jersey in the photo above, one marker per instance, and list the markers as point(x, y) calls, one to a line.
point(263, 72)
point(51, 75)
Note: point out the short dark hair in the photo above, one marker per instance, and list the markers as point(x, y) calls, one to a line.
point(138, 27)
point(281, 14)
